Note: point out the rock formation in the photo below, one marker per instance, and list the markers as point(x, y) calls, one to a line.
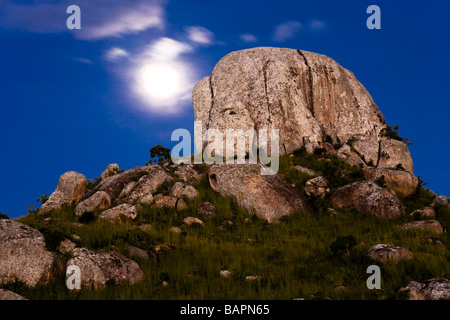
point(23, 255)
point(433, 289)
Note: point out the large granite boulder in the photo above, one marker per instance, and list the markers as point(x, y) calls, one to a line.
point(98, 267)
point(266, 196)
point(23, 255)
point(119, 213)
point(393, 153)
point(110, 171)
point(303, 94)
point(366, 196)
point(387, 253)
point(70, 189)
point(426, 225)
point(8, 295)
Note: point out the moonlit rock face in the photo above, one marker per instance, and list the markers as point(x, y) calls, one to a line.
point(303, 94)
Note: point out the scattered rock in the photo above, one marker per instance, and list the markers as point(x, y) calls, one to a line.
point(163, 201)
point(252, 278)
point(207, 209)
point(366, 196)
point(9, 295)
point(146, 227)
point(433, 289)
point(317, 186)
point(423, 213)
point(116, 214)
point(433, 241)
point(267, 196)
point(76, 237)
point(110, 171)
point(225, 274)
point(70, 189)
point(427, 225)
point(181, 190)
point(100, 200)
point(175, 230)
point(306, 170)
point(403, 183)
point(439, 201)
point(181, 205)
point(127, 189)
point(99, 267)
point(148, 184)
point(187, 173)
point(67, 246)
point(138, 252)
point(394, 152)
point(23, 255)
point(386, 253)
point(192, 220)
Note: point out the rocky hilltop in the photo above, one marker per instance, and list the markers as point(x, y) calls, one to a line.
point(339, 172)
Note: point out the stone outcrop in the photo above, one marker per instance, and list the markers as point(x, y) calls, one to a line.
point(100, 200)
point(366, 147)
point(439, 201)
point(148, 184)
point(386, 253)
point(192, 220)
point(207, 209)
point(402, 183)
point(366, 196)
point(394, 152)
point(110, 171)
point(188, 173)
point(23, 255)
point(121, 212)
point(268, 197)
point(433, 289)
point(164, 201)
point(424, 213)
point(181, 190)
point(99, 267)
point(317, 186)
point(70, 189)
point(8, 295)
point(305, 95)
point(426, 225)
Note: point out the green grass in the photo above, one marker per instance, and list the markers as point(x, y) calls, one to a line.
point(293, 257)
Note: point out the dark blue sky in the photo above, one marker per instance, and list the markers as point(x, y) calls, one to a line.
point(74, 100)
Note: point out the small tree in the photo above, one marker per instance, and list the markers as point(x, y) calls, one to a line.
point(43, 199)
point(391, 132)
point(161, 153)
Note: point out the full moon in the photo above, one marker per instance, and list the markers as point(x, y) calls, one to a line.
point(160, 81)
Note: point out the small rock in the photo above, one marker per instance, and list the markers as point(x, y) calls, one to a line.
point(100, 200)
point(433, 241)
point(225, 274)
point(252, 278)
point(110, 171)
point(433, 289)
point(6, 295)
point(317, 186)
point(165, 283)
point(162, 201)
point(138, 252)
point(207, 209)
point(175, 230)
point(181, 190)
point(386, 253)
point(146, 227)
point(116, 214)
point(423, 213)
point(439, 201)
point(191, 220)
point(428, 225)
point(305, 170)
point(181, 205)
point(66, 246)
point(76, 237)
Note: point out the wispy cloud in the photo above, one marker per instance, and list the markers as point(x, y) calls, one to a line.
point(248, 38)
point(286, 31)
point(99, 19)
point(200, 35)
point(84, 60)
point(317, 25)
point(115, 54)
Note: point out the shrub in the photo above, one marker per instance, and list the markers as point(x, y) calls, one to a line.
point(381, 181)
point(343, 245)
point(3, 216)
point(391, 132)
point(87, 217)
point(53, 238)
point(161, 153)
point(43, 199)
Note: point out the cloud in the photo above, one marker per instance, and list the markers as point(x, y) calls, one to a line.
point(99, 19)
point(249, 38)
point(165, 49)
point(317, 25)
point(84, 60)
point(286, 31)
point(200, 35)
point(115, 54)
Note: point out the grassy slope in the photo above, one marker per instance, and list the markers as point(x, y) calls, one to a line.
point(293, 257)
